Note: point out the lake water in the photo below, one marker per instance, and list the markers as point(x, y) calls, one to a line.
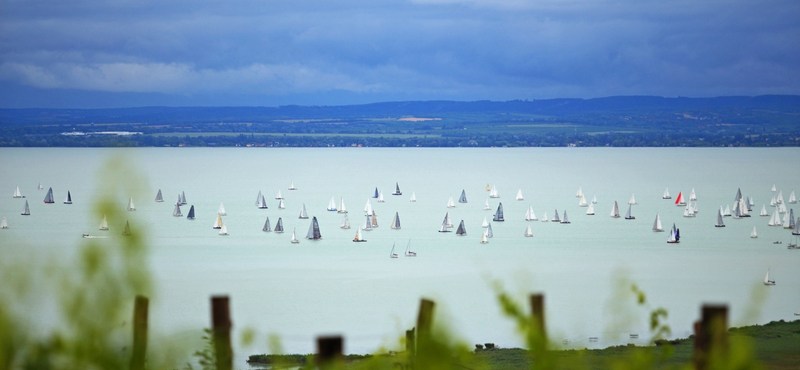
point(333, 285)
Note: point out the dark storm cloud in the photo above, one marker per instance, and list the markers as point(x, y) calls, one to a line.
point(420, 49)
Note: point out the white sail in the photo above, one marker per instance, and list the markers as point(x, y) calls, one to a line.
point(396, 221)
point(183, 198)
point(177, 211)
point(218, 222)
point(359, 237)
point(657, 224)
point(529, 215)
point(727, 211)
point(695, 208)
point(792, 198)
point(779, 199)
point(294, 236)
point(345, 223)
point(666, 194)
point(368, 207)
point(223, 230)
point(484, 238)
point(689, 210)
point(17, 194)
point(40, 187)
point(258, 198)
point(413, 197)
point(782, 208)
point(615, 210)
point(565, 220)
point(332, 204)
point(450, 203)
point(303, 213)
point(262, 204)
point(131, 207)
point(341, 208)
point(719, 220)
point(486, 206)
point(485, 223)
point(279, 196)
point(26, 211)
point(519, 194)
point(774, 219)
point(103, 224)
point(367, 223)
point(380, 197)
point(443, 229)
point(594, 199)
point(582, 202)
point(544, 219)
point(767, 280)
point(68, 199)
point(692, 195)
point(628, 215)
point(785, 221)
point(528, 231)
point(447, 221)
point(590, 210)
point(773, 202)
point(291, 186)
point(221, 211)
point(632, 201)
point(4, 224)
point(281, 205)
point(773, 188)
point(763, 210)
point(409, 253)
point(493, 193)
point(579, 193)
point(754, 234)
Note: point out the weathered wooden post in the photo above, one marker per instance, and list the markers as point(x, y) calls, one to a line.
point(329, 350)
point(537, 310)
point(710, 335)
point(424, 322)
point(411, 347)
point(221, 331)
point(139, 354)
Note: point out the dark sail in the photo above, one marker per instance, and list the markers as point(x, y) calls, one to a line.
point(461, 229)
point(190, 216)
point(463, 197)
point(313, 230)
point(266, 226)
point(499, 215)
point(49, 197)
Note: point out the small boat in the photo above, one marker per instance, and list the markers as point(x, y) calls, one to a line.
point(258, 198)
point(657, 224)
point(177, 211)
point(764, 212)
point(313, 230)
point(131, 207)
point(294, 237)
point(444, 229)
point(519, 195)
point(266, 227)
point(666, 194)
point(579, 193)
point(796, 230)
point(218, 222)
point(462, 230)
point(556, 218)
point(679, 201)
point(345, 222)
point(615, 210)
point(359, 238)
point(26, 211)
point(397, 189)
point(392, 254)
point(487, 187)
point(753, 234)
point(773, 202)
point(485, 223)
point(792, 198)
point(775, 220)
point(489, 232)
point(777, 242)
point(374, 218)
point(183, 198)
point(279, 196)
point(689, 211)
point(190, 215)
point(692, 195)
point(281, 205)
point(694, 208)
point(528, 231)
point(4, 224)
point(773, 188)
point(632, 201)
point(49, 197)
point(413, 197)
point(159, 197)
point(486, 206)
point(582, 202)
point(380, 197)
point(447, 220)
point(332, 205)
point(303, 214)
point(291, 186)
point(719, 220)
point(368, 207)
point(17, 194)
point(788, 220)
point(40, 187)
point(103, 224)
point(262, 204)
point(484, 238)
point(674, 235)
point(376, 193)
point(221, 210)
point(223, 230)
point(493, 193)
point(594, 199)
point(68, 200)
point(367, 223)
point(408, 252)
point(628, 215)
point(544, 219)
point(565, 220)
point(341, 208)
point(590, 210)
point(529, 215)
point(767, 280)
point(450, 203)
point(463, 197)
point(396, 221)
point(779, 200)
point(278, 226)
point(727, 212)
point(498, 216)
point(127, 230)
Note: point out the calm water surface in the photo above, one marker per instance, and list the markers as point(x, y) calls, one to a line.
point(299, 291)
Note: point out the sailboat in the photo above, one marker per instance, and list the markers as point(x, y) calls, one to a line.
point(367, 223)
point(528, 231)
point(359, 238)
point(487, 187)
point(68, 200)
point(753, 234)
point(221, 210)
point(796, 230)
point(332, 205)
point(279, 196)
point(493, 193)
point(376, 193)
point(519, 194)
point(397, 189)
point(484, 238)
point(17, 194)
point(341, 208)
point(666, 194)
point(719, 220)
point(692, 195)
point(486, 206)
point(632, 201)
point(183, 198)
point(727, 211)
point(131, 207)
point(177, 211)
point(764, 212)
point(461, 229)
point(767, 280)
point(485, 223)
point(444, 229)
point(368, 207)
point(380, 197)
point(345, 222)
point(42, 188)
point(775, 220)
point(582, 202)
point(679, 201)
point(628, 215)
point(258, 198)
point(294, 236)
point(498, 216)
point(190, 216)
point(49, 197)
point(223, 230)
point(278, 226)
point(590, 210)
point(565, 220)
point(615, 210)
point(489, 232)
point(409, 253)
point(788, 220)
point(396, 222)
point(450, 203)
point(544, 219)
point(773, 202)
point(313, 230)
point(689, 211)
point(262, 204)
point(556, 218)
point(413, 197)
point(4, 224)
point(657, 224)
point(266, 227)
point(529, 215)
point(447, 220)
point(303, 214)
point(26, 211)
point(291, 186)
point(579, 193)
point(103, 224)
point(779, 200)
point(463, 197)
point(159, 198)
point(392, 254)
point(374, 218)
point(127, 230)
point(773, 188)
point(281, 205)
point(674, 235)
point(792, 198)
point(217, 222)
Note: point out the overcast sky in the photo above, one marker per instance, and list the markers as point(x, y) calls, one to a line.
point(92, 53)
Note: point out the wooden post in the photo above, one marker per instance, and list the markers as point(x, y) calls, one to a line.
point(411, 347)
point(221, 330)
point(424, 322)
point(139, 354)
point(710, 334)
point(329, 350)
point(537, 310)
